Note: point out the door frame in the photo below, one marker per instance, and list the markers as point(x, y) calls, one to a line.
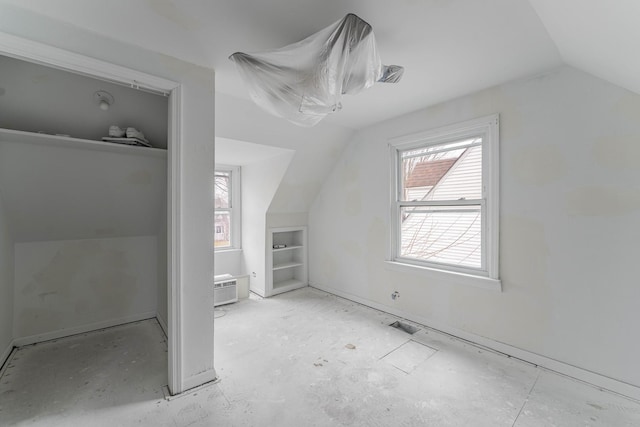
point(28, 50)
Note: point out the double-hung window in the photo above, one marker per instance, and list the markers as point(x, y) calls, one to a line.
point(227, 207)
point(444, 200)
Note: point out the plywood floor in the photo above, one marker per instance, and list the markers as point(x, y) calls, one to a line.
point(304, 358)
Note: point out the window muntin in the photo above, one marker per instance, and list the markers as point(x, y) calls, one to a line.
point(227, 207)
point(444, 198)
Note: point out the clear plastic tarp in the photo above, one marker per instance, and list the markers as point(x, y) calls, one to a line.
point(305, 81)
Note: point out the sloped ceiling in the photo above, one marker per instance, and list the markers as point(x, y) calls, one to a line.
point(599, 37)
point(449, 47)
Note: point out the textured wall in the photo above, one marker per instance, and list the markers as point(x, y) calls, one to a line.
point(72, 283)
point(570, 207)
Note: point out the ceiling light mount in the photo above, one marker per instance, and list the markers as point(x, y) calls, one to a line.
point(104, 99)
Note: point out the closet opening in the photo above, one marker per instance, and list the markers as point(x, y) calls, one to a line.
point(88, 190)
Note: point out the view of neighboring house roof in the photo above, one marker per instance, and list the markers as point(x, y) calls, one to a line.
point(428, 174)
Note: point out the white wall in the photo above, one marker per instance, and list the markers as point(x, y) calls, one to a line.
point(70, 284)
point(228, 262)
point(283, 195)
point(260, 181)
point(570, 208)
point(316, 149)
point(197, 163)
point(6, 285)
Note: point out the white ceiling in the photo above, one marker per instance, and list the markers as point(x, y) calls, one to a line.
point(449, 47)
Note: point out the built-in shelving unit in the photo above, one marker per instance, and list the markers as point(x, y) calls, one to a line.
point(286, 260)
point(19, 136)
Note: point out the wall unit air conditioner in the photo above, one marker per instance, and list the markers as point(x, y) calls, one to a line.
point(225, 290)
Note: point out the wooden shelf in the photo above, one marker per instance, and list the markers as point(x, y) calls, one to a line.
point(9, 135)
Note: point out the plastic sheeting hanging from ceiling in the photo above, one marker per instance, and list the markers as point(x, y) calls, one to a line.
point(305, 81)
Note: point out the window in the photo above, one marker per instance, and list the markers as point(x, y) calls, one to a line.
point(227, 207)
point(444, 203)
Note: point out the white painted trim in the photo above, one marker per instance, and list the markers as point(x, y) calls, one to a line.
point(488, 126)
point(199, 380)
point(174, 240)
point(31, 51)
point(610, 384)
point(28, 50)
point(4, 357)
point(236, 206)
point(61, 333)
point(163, 324)
point(446, 275)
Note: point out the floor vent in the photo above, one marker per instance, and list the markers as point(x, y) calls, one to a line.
point(404, 327)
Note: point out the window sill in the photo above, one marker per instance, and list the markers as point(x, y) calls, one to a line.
point(449, 276)
point(227, 250)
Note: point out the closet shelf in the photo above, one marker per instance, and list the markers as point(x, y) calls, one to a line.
point(9, 135)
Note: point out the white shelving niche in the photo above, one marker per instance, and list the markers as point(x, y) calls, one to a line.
point(286, 265)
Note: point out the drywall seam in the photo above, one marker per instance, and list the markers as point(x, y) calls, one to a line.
point(32, 339)
point(610, 384)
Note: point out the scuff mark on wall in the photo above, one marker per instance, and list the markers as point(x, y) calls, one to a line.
point(602, 201)
point(65, 284)
point(618, 152)
point(352, 248)
point(142, 178)
point(539, 164)
point(328, 266)
point(353, 203)
point(521, 306)
point(168, 10)
point(628, 106)
point(59, 273)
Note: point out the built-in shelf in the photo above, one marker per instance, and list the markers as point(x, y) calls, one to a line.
point(10, 135)
point(286, 267)
point(288, 248)
point(290, 284)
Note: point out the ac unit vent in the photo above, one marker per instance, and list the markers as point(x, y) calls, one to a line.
point(225, 292)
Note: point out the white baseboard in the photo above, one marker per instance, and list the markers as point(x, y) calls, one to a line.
point(6, 353)
point(198, 380)
point(163, 324)
point(595, 379)
point(61, 333)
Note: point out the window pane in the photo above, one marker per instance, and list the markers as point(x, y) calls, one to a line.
point(448, 235)
point(450, 171)
point(222, 181)
point(222, 229)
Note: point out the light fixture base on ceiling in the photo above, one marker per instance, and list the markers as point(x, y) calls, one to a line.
point(104, 99)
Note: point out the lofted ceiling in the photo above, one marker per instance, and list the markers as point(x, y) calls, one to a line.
point(449, 47)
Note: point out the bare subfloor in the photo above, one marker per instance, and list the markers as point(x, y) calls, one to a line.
point(304, 358)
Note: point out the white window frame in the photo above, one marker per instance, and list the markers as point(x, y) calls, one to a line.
point(488, 128)
point(234, 209)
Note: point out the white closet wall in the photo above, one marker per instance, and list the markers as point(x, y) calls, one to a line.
point(87, 224)
point(6, 283)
